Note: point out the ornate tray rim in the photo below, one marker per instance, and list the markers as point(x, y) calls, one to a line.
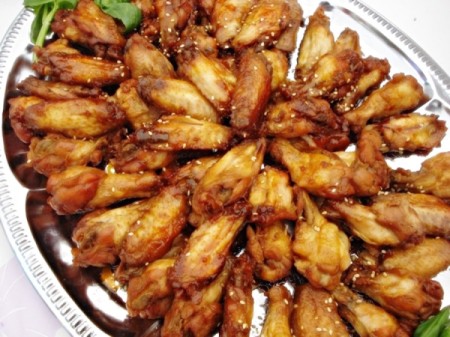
point(13, 194)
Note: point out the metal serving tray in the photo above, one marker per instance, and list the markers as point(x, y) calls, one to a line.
point(41, 240)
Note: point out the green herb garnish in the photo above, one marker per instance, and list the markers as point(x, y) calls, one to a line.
point(44, 12)
point(123, 10)
point(435, 325)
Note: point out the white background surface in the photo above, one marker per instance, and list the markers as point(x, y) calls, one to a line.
point(426, 22)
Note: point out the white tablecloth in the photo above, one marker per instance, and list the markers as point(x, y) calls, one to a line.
point(23, 313)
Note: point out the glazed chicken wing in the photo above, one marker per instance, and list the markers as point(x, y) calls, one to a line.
point(176, 96)
point(183, 133)
point(82, 188)
point(150, 294)
point(321, 250)
point(279, 310)
point(348, 39)
point(367, 319)
point(272, 197)
point(401, 93)
point(79, 118)
point(320, 173)
point(317, 41)
point(238, 300)
point(227, 18)
point(315, 313)
point(206, 251)
point(144, 59)
point(152, 235)
point(200, 314)
point(270, 246)
point(87, 25)
point(403, 294)
point(230, 178)
point(55, 153)
point(279, 63)
point(287, 41)
point(433, 177)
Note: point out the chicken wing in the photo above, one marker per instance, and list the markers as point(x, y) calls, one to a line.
point(79, 118)
point(401, 93)
point(82, 188)
point(400, 293)
point(279, 310)
point(366, 318)
point(412, 132)
point(315, 313)
point(99, 235)
point(55, 153)
point(214, 80)
point(206, 251)
point(270, 247)
point(263, 25)
point(317, 41)
point(198, 38)
point(230, 178)
point(424, 259)
point(89, 26)
point(152, 235)
point(287, 41)
point(183, 133)
point(200, 314)
point(396, 218)
point(433, 177)
point(238, 300)
point(176, 96)
point(51, 90)
point(144, 59)
point(321, 250)
point(348, 40)
point(252, 93)
point(320, 173)
point(150, 294)
point(227, 18)
point(299, 117)
point(272, 197)
point(279, 63)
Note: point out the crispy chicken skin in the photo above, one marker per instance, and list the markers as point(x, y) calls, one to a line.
point(79, 118)
point(272, 197)
point(252, 93)
point(87, 25)
point(315, 313)
point(366, 318)
point(55, 153)
point(152, 235)
point(183, 133)
point(214, 80)
point(206, 251)
point(396, 218)
point(401, 93)
point(279, 310)
point(144, 59)
point(279, 63)
point(317, 41)
point(270, 248)
point(99, 235)
point(81, 188)
point(230, 178)
point(348, 39)
point(198, 38)
point(227, 17)
point(150, 294)
point(320, 173)
point(238, 300)
point(176, 96)
point(411, 132)
point(433, 177)
point(287, 41)
point(424, 259)
point(321, 250)
point(399, 292)
point(197, 315)
point(51, 90)
point(299, 117)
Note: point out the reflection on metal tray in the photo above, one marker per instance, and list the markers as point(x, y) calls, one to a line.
point(41, 240)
